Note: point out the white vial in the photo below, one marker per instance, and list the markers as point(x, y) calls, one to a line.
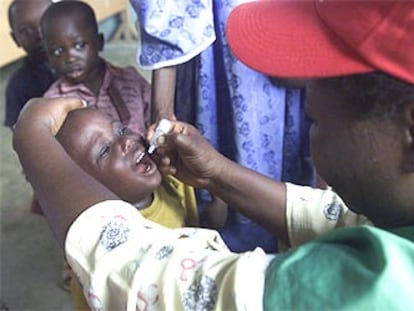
point(163, 127)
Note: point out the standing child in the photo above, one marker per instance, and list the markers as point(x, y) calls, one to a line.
point(34, 76)
point(70, 33)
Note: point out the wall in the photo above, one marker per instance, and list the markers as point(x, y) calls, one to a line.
point(10, 52)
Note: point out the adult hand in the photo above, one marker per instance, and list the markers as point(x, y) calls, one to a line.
point(46, 112)
point(185, 153)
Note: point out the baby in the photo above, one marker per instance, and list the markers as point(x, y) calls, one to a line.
point(117, 157)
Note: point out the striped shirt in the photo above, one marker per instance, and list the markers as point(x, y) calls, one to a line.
point(124, 95)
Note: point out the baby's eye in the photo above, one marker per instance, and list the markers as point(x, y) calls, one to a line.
point(57, 51)
point(104, 151)
point(80, 45)
point(123, 131)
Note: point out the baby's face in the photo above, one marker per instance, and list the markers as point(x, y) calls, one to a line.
point(111, 153)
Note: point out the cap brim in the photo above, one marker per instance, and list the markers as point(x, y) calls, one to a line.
point(288, 39)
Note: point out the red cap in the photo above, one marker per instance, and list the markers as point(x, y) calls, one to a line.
point(310, 39)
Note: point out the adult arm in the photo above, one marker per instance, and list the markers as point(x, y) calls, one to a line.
point(64, 190)
point(185, 153)
point(163, 93)
point(254, 195)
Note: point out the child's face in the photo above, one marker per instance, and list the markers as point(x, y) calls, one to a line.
point(73, 49)
point(111, 153)
point(25, 23)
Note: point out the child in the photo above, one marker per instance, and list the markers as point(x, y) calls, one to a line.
point(35, 75)
point(70, 33)
point(117, 157)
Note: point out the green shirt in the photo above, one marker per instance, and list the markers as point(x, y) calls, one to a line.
point(355, 268)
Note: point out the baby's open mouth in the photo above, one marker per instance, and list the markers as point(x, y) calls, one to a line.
point(143, 164)
point(139, 159)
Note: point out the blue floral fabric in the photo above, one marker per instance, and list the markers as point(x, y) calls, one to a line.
point(173, 32)
point(237, 109)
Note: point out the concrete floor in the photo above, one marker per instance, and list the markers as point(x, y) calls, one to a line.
point(31, 261)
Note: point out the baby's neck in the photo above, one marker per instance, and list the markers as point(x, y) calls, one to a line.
point(145, 202)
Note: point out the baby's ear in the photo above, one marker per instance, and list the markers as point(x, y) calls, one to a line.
point(101, 42)
point(408, 164)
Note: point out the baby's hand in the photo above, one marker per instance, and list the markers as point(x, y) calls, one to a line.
point(47, 112)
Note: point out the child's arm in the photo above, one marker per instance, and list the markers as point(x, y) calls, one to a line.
point(163, 93)
point(63, 189)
